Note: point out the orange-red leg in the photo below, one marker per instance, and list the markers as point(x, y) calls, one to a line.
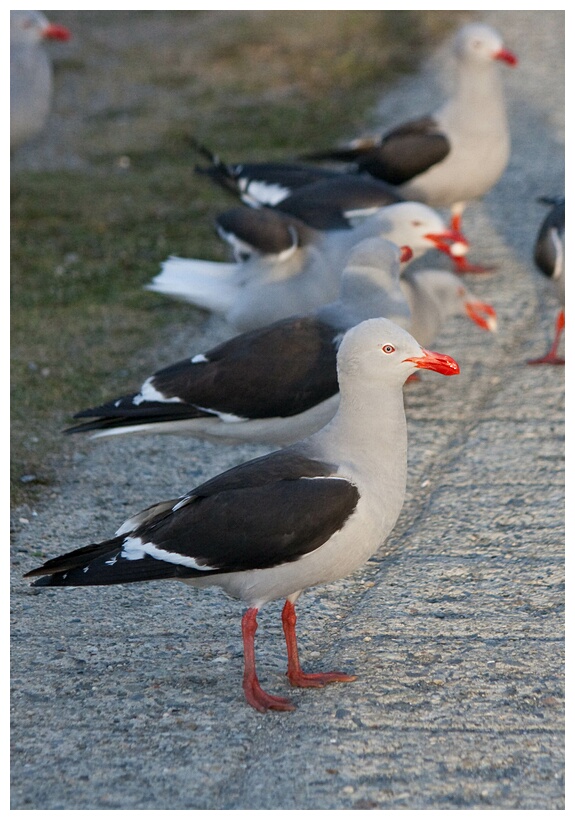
point(296, 676)
point(456, 214)
point(551, 357)
point(460, 263)
point(253, 691)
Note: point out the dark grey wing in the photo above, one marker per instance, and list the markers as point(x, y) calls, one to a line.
point(280, 370)
point(333, 204)
point(261, 526)
point(262, 514)
point(259, 183)
point(402, 154)
point(277, 371)
point(263, 231)
point(270, 182)
point(407, 151)
point(345, 153)
point(549, 250)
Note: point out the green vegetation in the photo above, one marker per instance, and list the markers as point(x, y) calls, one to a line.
point(251, 85)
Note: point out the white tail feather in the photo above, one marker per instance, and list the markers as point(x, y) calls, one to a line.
point(209, 285)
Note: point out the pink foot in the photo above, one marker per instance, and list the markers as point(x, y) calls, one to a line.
point(461, 265)
point(262, 701)
point(549, 359)
point(253, 692)
point(295, 674)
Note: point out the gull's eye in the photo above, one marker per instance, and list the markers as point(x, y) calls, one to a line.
point(388, 349)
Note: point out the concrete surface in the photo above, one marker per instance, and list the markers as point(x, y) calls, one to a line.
point(130, 697)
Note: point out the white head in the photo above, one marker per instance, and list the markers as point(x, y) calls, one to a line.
point(370, 285)
point(29, 27)
point(479, 43)
point(420, 227)
point(380, 352)
point(373, 261)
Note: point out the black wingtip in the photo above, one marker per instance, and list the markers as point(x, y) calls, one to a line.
point(55, 579)
point(332, 155)
point(200, 148)
point(42, 577)
point(80, 428)
point(43, 581)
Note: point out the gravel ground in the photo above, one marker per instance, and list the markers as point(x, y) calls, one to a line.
point(130, 698)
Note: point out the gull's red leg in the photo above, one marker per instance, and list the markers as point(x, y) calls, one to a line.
point(456, 214)
point(552, 357)
point(460, 263)
point(254, 693)
point(296, 676)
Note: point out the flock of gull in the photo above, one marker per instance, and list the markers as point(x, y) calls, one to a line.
point(330, 320)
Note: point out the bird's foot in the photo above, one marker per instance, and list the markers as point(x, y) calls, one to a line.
point(548, 359)
point(461, 265)
point(318, 679)
point(262, 701)
point(295, 674)
point(551, 356)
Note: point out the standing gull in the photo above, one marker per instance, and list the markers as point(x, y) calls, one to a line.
point(275, 526)
point(457, 153)
point(30, 73)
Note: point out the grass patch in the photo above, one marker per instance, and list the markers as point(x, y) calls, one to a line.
point(252, 85)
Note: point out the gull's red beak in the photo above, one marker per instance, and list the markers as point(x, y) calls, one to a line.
point(55, 32)
point(452, 242)
point(482, 314)
point(506, 57)
point(435, 361)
